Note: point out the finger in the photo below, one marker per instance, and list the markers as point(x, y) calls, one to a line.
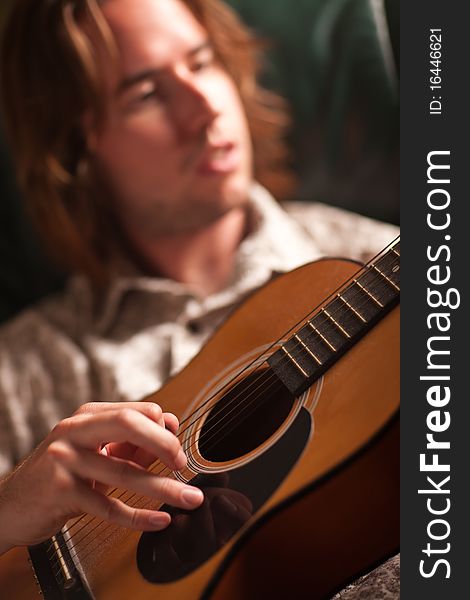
point(145, 459)
point(124, 475)
point(138, 455)
point(150, 409)
point(124, 425)
point(111, 509)
point(171, 422)
point(131, 453)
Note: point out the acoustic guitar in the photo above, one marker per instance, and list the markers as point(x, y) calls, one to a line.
point(289, 419)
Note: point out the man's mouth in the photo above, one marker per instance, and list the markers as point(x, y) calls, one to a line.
point(219, 159)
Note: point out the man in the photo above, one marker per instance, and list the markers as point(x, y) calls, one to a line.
point(138, 130)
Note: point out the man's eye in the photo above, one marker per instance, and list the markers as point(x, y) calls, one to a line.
point(203, 61)
point(141, 99)
point(147, 95)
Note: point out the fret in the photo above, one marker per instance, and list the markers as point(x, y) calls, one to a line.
point(377, 286)
point(387, 279)
point(344, 316)
point(371, 296)
point(389, 258)
point(69, 579)
point(358, 315)
point(360, 301)
point(307, 349)
point(322, 337)
point(331, 331)
point(350, 312)
point(386, 264)
point(333, 320)
point(287, 353)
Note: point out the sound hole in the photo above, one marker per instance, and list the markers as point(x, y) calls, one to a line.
point(247, 415)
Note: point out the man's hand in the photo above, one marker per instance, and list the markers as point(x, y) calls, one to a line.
point(102, 445)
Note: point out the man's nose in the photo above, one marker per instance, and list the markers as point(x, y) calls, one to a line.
point(194, 109)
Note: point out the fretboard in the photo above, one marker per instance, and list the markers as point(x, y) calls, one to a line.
point(340, 323)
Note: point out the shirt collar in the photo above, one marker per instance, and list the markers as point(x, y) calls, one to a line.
point(277, 243)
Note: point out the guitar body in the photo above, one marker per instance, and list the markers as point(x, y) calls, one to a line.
point(318, 475)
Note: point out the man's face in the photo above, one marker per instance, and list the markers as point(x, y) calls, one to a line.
point(175, 147)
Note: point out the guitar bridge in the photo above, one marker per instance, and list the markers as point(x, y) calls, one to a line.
point(55, 571)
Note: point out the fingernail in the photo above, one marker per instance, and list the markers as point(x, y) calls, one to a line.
point(192, 496)
point(160, 520)
point(180, 461)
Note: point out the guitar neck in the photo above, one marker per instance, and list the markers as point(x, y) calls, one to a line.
point(344, 319)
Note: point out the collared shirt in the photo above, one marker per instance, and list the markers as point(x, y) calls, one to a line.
point(73, 348)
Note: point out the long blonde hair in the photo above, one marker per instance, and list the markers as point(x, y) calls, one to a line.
point(49, 78)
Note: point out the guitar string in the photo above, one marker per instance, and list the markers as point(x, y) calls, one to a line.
point(221, 432)
point(344, 287)
point(224, 426)
point(82, 548)
point(254, 405)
